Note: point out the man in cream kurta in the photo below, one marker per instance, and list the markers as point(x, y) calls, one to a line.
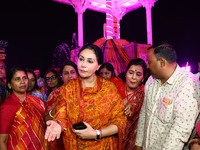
point(171, 103)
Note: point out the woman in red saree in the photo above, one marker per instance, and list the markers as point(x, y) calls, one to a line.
point(132, 93)
point(22, 116)
point(92, 100)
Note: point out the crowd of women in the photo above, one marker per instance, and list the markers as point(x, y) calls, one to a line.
point(104, 107)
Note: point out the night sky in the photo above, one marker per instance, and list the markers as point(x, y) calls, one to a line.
point(35, 28)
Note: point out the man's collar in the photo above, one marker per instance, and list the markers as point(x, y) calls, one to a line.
point(172, 78)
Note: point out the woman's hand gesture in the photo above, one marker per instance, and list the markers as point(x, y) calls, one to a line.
point(53, 130)
point(127, 110)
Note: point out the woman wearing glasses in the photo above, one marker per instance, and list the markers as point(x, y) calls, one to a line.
point(69, 72)
point(53, 81)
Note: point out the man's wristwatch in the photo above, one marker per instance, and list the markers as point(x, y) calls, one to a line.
point(98, 135)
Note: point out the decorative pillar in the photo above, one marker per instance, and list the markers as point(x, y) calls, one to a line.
point(115, 28)
point(109, 20)
point(80, 29)
point(80, 7)
point(149, 25)
point(148, 4)
point(118, 13)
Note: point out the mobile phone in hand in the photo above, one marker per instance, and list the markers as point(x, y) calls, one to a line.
point(79, 126)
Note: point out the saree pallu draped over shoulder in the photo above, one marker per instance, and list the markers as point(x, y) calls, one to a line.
point(136, 97)
point(99, 106)
point(27, 131)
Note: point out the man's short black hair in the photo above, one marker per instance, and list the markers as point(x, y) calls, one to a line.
point(166, 51)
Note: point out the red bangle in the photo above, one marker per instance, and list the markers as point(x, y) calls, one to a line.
point(101, 134)
point(62, 126)
point(194, 141)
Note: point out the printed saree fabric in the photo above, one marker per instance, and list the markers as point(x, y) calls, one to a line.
point(120, 85)
point(99, 106)
point(51, 100)
point(50, 105)
point(27, 130)
point(136, 97)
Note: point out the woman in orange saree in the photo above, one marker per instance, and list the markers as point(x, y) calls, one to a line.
point(92, 100)
point(22, 116)
point(69, 72)
point(132, 93)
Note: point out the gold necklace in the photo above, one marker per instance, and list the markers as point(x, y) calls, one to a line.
point(21, 102)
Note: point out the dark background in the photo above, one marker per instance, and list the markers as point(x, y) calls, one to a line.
point(35, 28)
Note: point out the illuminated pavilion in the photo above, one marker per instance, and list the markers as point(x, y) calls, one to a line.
point(119, 51)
